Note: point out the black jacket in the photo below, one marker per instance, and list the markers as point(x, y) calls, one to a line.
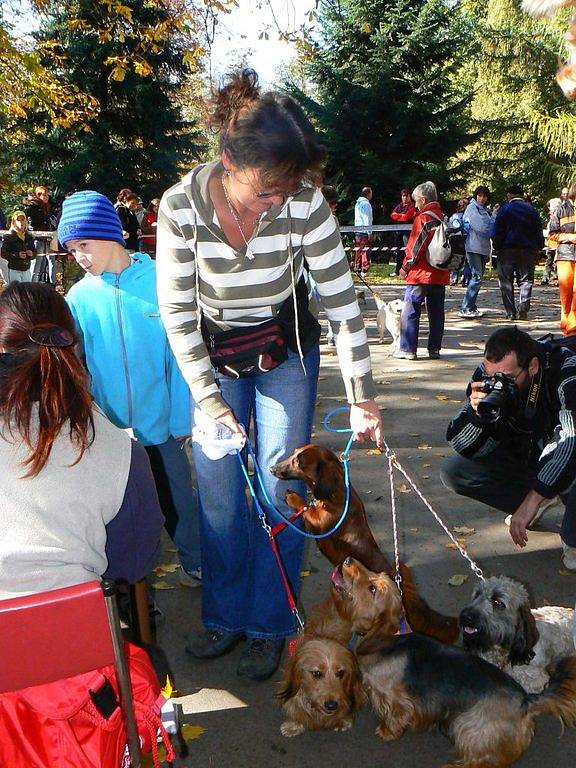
point(544, 435)
point(130, 224)
point(38, 218)
point(11, 247)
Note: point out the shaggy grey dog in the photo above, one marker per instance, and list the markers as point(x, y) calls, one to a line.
point(500, 626)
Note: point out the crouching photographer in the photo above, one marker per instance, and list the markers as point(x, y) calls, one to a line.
point(516, 437)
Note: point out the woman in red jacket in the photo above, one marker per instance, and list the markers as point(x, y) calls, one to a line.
point(404, 213)
point(424, 283)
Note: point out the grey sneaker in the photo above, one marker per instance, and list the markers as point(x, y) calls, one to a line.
point(212, 643)
point(569, 557)
point(471, 314)
point(190, 579)
point(261, 658)
point(400, 354)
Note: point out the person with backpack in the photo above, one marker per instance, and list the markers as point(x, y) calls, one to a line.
point(562, 233)
point(425, 283)
point(478, 224)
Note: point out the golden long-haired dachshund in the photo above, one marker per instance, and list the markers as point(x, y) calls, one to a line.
point(321, 685)
point(323, 473)
point(417, 683)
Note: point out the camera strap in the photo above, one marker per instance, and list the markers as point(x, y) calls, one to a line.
point(534, 393)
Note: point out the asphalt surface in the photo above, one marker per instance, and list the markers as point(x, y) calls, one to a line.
point(237, 724)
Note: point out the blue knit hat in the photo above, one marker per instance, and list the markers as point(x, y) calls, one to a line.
point(91, 216)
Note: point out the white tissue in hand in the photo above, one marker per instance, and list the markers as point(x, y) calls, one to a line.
point(216, 439)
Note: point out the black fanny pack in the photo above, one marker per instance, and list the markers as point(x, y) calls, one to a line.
point(243, 352)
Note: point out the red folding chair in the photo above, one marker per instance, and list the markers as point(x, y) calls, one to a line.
point(66, 632)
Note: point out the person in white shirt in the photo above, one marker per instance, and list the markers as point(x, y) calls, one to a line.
point(363, 218)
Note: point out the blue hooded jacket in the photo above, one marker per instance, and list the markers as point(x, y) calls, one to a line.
point(134, 377)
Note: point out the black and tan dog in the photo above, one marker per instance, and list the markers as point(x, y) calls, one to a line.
point(323, 473)
point(417, 683)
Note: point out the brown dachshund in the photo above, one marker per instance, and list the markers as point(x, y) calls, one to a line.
point(323, 473)
point(321, 685)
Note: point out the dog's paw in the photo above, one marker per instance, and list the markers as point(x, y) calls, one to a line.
point(291, 729)
point(383, 733)
point(293, 499)
point(343, 725)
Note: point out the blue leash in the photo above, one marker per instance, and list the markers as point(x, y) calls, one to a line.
point(258, 474)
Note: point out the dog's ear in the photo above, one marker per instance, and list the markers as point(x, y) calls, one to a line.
point(291, 679)
point(526, 637)
point(357, 692)
point(379, 636)
point(326, 480)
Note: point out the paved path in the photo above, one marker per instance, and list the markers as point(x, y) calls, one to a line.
point(241, 720)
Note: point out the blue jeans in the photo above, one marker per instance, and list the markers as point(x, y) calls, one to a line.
point(241, 586)
point(414, 298)
point(476, 262)
point(178, 499)
point(19, 276)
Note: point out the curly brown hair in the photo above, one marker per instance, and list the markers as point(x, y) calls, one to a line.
point(268, 131)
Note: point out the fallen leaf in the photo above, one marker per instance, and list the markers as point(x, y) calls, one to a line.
point(162, 585)
point(457, 580)
point(374, 452)
point(441, 455)
point(414, 397)
point(426, 465)
point(450, 545)
point(403, 488)
point(164, 568)
point(424, 447)
point(413, 434)
point(565, 572)
point(190, 732)
point(414, 530)
point(449, 365)
point(304, 574)
point(463, 530)
point(170, 549)
point(425, 477)
point(443, 398)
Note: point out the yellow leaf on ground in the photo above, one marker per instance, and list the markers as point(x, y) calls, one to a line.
point(303, 574)
point(426, 465)
point(162, 585)
point(424, 447)
point(413, 434)
point(457, 580)
point(403, 488)
point(463, 530)
point(167, 567)
point(565, 572)
point(170, 549)
point(190, 732)
point(374, 452)
point(450, 545)
point(425, 477)
point(443, 398)
point(414, 530)
point(414, 397)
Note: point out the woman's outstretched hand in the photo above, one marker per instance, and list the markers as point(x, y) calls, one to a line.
point(366, 422)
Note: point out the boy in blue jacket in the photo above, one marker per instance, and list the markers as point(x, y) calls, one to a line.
point(134, 376)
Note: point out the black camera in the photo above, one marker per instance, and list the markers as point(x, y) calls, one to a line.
point(502, 398)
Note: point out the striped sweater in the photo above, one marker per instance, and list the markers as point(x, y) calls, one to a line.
point(562, 231)
point(248, 286)
point(550, 433)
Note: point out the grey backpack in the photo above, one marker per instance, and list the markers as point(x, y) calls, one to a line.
point(440, 254)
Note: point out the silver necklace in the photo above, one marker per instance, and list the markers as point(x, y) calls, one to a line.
point(236, 216)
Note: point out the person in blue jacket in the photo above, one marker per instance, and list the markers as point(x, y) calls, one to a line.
point(134, 377)
point(478, 224)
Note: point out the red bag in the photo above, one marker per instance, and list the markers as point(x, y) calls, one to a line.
point(58, 725)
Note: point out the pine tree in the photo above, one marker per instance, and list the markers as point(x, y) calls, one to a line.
point(130, 60)
point(525, 129)
point(390, 100)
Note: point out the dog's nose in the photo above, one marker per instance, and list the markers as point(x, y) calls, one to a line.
point(330, 705)
point(467, 617)
point(348, 562)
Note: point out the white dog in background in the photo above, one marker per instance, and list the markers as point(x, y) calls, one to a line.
point(388, 319)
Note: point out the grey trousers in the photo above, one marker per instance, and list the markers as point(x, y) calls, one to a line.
point(501, 480)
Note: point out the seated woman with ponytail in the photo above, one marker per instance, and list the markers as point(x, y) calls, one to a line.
point(78, 498)
point(237, 242)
